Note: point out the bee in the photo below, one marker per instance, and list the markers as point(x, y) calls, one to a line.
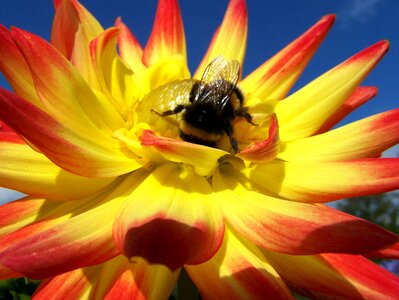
point(208, 110)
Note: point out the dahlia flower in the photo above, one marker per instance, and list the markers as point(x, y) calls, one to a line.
point(118, 203)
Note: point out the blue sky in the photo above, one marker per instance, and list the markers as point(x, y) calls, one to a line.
point(272, 25)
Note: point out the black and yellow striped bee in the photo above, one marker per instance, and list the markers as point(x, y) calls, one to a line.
point(206, 107)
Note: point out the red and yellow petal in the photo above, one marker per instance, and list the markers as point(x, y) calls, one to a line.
point(70, 245)
point(69, 15)
point(361, 139)
point(61, 88)
point(7, 133)
point(274, 78)
point(82, 154)
point(265, 150)
point(329, 276)
point(167, 37)
point(391, 252)
point(28, 216)
point(30, 172)
point(76, 284)
point(82, 240)
point(15, 69)
point(114, 279)
point(6, 273)
point(114, 78)
point(303, 113)
point(264, 221)
point(360, 96)
point(167, 220)
point(325, 181)
point(81, 58)
point(230, 38)
point(129, 48)
point(121, 279)
point(238, 271)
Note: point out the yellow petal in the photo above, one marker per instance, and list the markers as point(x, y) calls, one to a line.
point(204, 159)
point(120, 278)
point(231, 37)
point(115, 79)
point(167, 37)
point(69, 15)
point(264, 221)
point(15, 69)
point(129, 48)
point(274, 78)
point(86, 233)
point(336, 276)
point(304, 112)
point(365, 138)
point(238, 271)
point(324, 181)
point(172, 210)
point(30, 172)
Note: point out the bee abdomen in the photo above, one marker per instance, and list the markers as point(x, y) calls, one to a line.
point(197, 140)
point(193, 134)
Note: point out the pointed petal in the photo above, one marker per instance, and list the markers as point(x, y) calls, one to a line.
point(365, 138)
point(76, 284)
point(360, 96)
point(69, 15)
point(264, 220)
point(129, 47)
point(121, 279)
point(167, 37)
point(304, 112)
point(17, 214)
point(326, 181)
point(265, 150)
point(61, 88)
point(275, 77)
point(81, 58)
point(171, 210)
point(30, 172)
point(28, 216)
point(6, 133)
point(204, 159)
point(6, 273)
point(73, 151)
point(230, 39)
point(15, 69)
point(114, 78)
point(391, 252)
point(238, 271)
point(83, 240)
point(329, 276)
point(70, 245)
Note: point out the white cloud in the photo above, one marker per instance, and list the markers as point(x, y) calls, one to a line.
point(359, 11)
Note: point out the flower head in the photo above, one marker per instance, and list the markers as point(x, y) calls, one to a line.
point(134, 170)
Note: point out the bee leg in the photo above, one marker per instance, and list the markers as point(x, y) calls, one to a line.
point(174, 111)
point(243, 112)
point(239, 95)
point(233, 143)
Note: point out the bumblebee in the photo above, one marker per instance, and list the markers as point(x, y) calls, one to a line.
point(207, 111)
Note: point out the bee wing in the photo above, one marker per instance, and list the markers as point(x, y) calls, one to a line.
point(164, 98)
point(221, 69)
